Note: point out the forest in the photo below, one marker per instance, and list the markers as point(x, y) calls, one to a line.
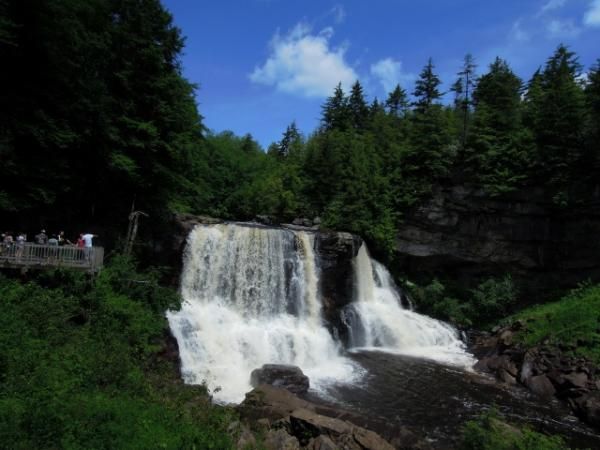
point(96, 116)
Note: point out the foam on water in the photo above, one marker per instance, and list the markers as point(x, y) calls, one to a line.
point(251, 297)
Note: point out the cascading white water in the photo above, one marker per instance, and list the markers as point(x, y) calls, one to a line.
point(377, 319)
point(250, 298)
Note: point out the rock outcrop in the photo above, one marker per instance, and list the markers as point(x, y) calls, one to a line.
point(336, 251)
point(281, 376)
point(546, 371)
point(464, 234)
point(289, 422)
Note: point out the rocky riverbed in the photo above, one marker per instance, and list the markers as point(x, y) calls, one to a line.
point(408, 403)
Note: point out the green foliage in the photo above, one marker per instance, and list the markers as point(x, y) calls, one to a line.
point(489, 432)
point(574, 320)
point(491, 300)
point(80, 367)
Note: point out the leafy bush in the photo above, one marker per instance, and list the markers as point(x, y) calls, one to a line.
point(491, 300)
point(80, 368)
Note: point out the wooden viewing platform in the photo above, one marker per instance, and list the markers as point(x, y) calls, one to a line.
point(33, 256)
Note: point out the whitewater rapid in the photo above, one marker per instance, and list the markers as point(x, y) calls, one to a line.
point(251, 297)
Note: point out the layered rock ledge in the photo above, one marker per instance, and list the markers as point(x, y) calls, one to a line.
point(545, 370)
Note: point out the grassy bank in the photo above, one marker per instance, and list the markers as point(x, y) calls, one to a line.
point(573, 323)
point(491, 432)
point(83, 366)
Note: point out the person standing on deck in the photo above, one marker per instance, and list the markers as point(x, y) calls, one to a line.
point(88, 245)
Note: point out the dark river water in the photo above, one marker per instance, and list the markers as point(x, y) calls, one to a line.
point(435, 401)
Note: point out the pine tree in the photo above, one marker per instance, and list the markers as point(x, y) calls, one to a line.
point(426, 89)
point(592, 97)
point(357, 108)
point(429, 158)
point(291, 138)
point(397, 102)
point(557, 112)
point(463, 89)
point(335, 114)
point(498, 153)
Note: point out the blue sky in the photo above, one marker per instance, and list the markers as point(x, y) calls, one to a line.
point(260, 64)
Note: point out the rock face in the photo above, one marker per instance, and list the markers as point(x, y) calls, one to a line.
point(464, 234)
point(545, 371)
point(282, 376)
point(294, 423)
point(336, 251)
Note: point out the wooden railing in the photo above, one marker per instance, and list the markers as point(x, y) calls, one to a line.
point(31, 256)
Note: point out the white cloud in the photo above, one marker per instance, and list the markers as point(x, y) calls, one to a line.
point(592, 15)
point(303, 63)
point(551, 5)
point(562, 28)
point(517, 33)
point(389, 73)
point(339, 13)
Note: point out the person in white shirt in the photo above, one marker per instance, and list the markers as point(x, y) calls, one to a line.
point(87, 242)
point(87, 239)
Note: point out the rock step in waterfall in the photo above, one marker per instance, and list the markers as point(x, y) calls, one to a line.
point(252, 297)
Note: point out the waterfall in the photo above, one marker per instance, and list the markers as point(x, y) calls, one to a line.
point(377, 319)
point(251, 297)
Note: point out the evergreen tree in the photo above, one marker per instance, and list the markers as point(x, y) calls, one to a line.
point(463, 89)
point(426, 89)
point(291, 137)
point(397, 102)
point(357, 108)
point(429, 156)
point(498, 153)
point(557, 113)
point(335, 114)
point(592, 97)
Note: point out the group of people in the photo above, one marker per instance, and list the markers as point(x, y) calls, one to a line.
point(85, 240)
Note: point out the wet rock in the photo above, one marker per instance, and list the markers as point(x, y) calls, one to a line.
point(576, 380)
point(506, 377)
point(308, 424)
point(272, 403)
point(322, 443)
point(541, 385)
point(303, 222)
point(266, 219)
point(336, 252)
point(370, 440)
point(588, 408)
point(280, 440)
point(286, 377)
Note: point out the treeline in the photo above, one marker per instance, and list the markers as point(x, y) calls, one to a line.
point(95, 116)
point(368, 163)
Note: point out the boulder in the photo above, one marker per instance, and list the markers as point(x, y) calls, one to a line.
point(279, 439)
point(321, 443)
point(272, 403)
point(308, 424)
point(588, 408)
point(282, 376)
point(577, 380)
point(540, 385)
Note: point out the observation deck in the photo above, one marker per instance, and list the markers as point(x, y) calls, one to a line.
point(30, 256)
